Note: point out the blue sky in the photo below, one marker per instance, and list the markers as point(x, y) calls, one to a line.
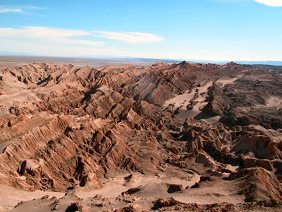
point(172, 29)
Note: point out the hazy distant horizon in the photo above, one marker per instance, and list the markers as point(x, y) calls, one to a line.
point(97, 61)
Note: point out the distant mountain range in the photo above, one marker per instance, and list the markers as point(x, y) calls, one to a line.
point(86, 60)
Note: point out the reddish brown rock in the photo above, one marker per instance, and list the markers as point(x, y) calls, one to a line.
point(62, 126)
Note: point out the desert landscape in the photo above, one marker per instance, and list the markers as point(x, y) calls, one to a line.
point(161, 137)
point(140, 105)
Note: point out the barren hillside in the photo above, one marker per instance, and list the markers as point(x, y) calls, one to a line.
point(188, 137)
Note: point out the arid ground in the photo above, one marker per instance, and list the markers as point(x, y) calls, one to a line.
point(155, 137)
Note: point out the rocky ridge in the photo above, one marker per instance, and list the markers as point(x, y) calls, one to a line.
point(64, 127)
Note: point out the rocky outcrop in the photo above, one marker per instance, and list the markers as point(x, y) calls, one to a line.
point(259, 185)
point(63, 127)
point(216, 104)
point(261, 143)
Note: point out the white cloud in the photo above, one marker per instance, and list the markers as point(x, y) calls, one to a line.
point(46, 41)
point(10, 10)
point(130, 37)
point(47, 36)
point(23, 9)
point(40, 32)
point(270, 3)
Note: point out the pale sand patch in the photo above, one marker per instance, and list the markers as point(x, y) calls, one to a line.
point(219, 191)
point(151, 187)
point(274, 101)
point(228, 81)
point(198, 95)
point(182, 101)
point(202, 91)
point(115, 186)
point(10, 197)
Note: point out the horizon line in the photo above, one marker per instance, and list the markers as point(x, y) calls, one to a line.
point(144, 58)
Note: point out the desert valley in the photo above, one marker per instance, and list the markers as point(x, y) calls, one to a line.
point(161, 137)
point(141, 105)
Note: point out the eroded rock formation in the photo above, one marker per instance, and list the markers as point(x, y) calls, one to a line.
point(64, 127)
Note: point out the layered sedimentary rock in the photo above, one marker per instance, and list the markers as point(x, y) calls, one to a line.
point(64, 127)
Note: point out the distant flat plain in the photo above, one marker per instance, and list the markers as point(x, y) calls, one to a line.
point(10, 61)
